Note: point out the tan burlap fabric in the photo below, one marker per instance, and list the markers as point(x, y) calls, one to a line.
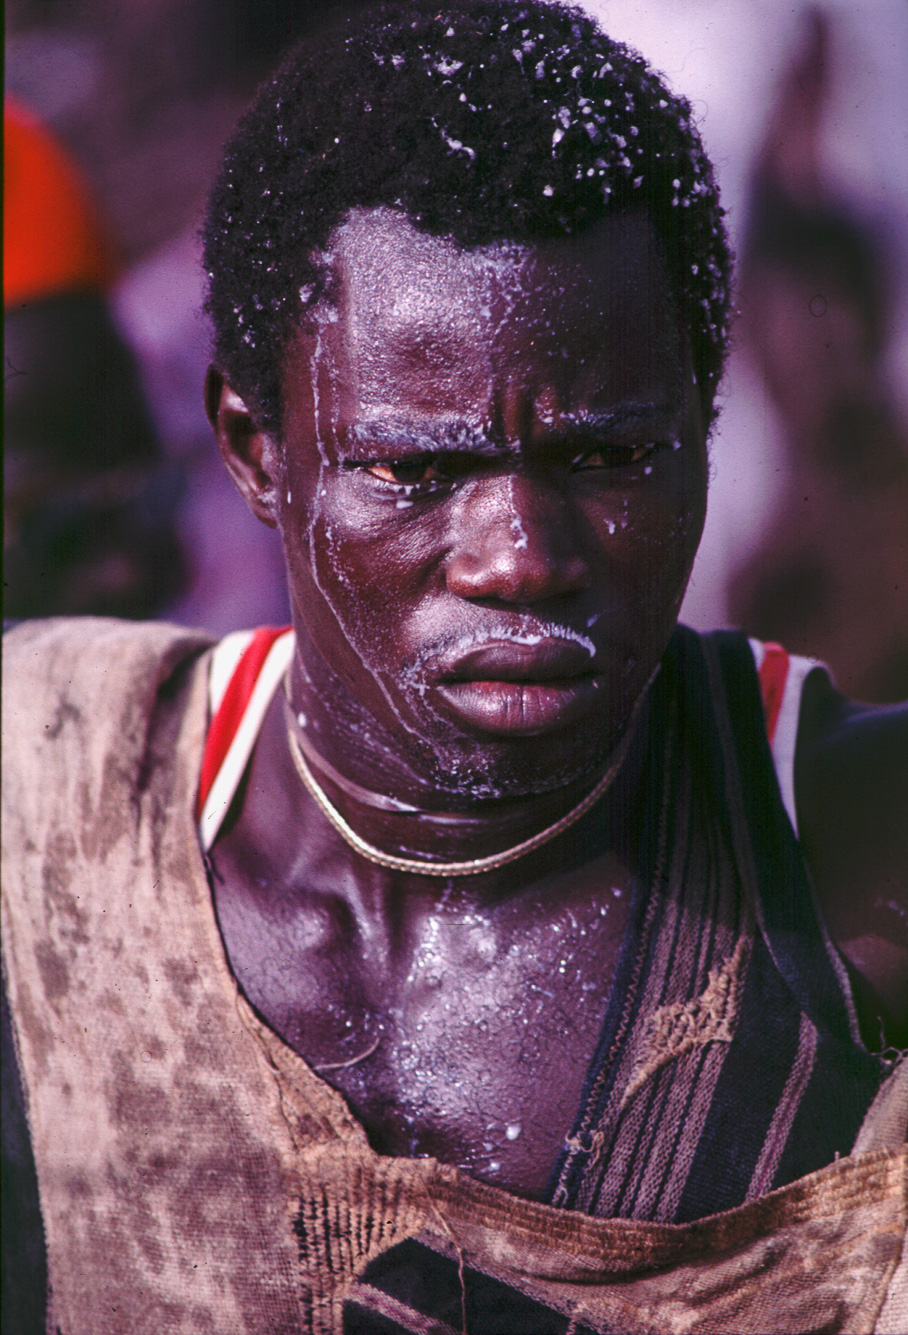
point(178, 1141)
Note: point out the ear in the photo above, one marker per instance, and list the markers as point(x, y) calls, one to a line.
point(250, 455)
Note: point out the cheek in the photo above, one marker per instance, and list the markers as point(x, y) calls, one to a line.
point(671, 521)
point(366, 567)
point(648, 536)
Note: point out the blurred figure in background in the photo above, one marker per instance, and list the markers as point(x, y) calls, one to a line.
point(89, 503)
point(148, 132)
point(830, 576)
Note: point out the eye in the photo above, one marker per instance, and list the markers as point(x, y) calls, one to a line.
point(405, 472)
point(613, 456)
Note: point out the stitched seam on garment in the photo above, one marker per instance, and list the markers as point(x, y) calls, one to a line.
point(673, 1030)
point(786, 1110)
point(584, 1140)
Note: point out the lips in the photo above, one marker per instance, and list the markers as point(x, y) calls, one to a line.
point(547, 659)
point(518, 689)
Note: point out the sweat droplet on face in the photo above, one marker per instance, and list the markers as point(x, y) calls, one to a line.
point(520, 536)
point(513, 1130)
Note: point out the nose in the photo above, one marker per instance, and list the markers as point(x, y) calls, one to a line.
point(516, 541)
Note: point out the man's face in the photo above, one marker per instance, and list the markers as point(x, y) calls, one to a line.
point(494, 486)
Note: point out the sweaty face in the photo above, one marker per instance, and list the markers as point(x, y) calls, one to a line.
point(494, 486)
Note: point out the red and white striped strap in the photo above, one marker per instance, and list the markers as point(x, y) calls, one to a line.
point(782, 676)
point(246, 670)
point(247, 667)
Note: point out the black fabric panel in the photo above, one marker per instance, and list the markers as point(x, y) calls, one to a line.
point(358, 1320)
point(23, 1302)
point(747, 1092)
point(422, 1279)
point(846, 1076)
point(789, 918)
point(691, 1094)
point(841, 1088)
point(791, 971)
point(361, 1320)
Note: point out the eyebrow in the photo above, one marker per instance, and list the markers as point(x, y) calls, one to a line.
point(408, 437)
point(420, 438)
point(624, 415)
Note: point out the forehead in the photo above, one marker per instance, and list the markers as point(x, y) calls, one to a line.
point(386, 268)
point(422, 320)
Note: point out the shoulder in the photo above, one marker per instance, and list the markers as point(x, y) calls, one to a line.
point(89, 661)
point(85, 703)
point(64, 646)
point(851, 784)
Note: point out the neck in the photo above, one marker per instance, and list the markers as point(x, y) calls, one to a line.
point(387, 830)
point(435, 770)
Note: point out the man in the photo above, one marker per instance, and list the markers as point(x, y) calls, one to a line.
point(504, 1004)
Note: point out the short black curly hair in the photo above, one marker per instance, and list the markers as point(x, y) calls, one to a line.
point(482, 120)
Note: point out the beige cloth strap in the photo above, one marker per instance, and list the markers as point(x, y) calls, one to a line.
point(195, 1174)
point(159, 1137)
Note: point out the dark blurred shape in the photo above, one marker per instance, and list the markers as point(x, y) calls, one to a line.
point(23, 1270)
point(250, 36)
point(831, 575)
point(89, 503)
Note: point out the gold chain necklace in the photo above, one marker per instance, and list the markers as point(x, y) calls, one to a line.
point(475, 866)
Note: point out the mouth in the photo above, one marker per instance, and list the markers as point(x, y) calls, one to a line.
point(517, 689)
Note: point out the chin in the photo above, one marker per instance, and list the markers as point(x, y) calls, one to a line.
point(498, 770)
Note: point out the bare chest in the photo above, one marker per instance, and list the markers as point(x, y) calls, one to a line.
point(468, 1039)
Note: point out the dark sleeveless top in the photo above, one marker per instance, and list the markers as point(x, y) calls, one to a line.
point(729, 1061)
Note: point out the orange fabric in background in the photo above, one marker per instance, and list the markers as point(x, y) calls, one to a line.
point(53, 239)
